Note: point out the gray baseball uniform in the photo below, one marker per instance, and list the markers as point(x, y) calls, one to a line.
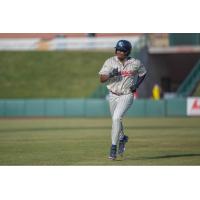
point(120, 96)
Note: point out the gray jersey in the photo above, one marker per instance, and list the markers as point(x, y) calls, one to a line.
point(130, 70)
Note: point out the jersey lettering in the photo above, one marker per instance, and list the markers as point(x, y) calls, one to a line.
point(127, 73)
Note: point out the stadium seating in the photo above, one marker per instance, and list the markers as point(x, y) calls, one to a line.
point(53, 35)
point(184, 39)
point(191, 81)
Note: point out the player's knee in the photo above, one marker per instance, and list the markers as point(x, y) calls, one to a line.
point(116, 118)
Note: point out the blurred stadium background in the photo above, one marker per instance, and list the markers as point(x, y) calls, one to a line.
point(56, 75)
point(47, 74)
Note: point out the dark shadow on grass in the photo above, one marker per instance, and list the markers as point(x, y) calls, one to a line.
point(165, 156)
point(95, 128)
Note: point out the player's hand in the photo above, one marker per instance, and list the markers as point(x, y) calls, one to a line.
point(133, 88)
point(114, 72)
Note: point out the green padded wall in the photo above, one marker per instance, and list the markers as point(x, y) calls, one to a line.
point(35, 108)
point(137, 109)
point(155, 108)
point(75, 107)
point(2, 108)
point(15, 108)
point(96, 108)
point(88, 108)
point(176, 107)
point(55, 108)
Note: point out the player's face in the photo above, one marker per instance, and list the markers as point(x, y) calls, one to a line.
point(121, 55)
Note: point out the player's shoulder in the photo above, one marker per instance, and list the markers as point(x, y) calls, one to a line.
point(134, 61)
point(111, 59)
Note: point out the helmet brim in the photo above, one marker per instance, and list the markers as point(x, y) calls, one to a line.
point(121, 49)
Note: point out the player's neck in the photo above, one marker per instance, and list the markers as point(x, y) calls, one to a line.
point(122, 60)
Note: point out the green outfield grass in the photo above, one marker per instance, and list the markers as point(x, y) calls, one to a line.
point(52, 74)
point(75, 141)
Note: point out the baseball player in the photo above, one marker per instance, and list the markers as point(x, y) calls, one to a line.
point(122, 75)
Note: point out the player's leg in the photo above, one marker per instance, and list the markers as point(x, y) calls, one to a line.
point(124, 103)
point(113, 100)
point(121, 134)
point(122, 143)
point(123, 139)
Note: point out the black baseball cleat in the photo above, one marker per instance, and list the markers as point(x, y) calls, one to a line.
point(113, 152)
point(122, 143)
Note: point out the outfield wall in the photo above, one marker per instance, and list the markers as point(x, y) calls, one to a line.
point(88, 108)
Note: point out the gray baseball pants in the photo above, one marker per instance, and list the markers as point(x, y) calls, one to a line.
point(118, 107)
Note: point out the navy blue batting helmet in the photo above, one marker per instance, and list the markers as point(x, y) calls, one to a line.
point(124, 45)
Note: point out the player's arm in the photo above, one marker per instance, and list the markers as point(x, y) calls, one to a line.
point(104, 78)
point(134, 87)
point(141, 75)
point(139, 80)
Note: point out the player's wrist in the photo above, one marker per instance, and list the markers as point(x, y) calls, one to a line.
point(114, 73)
point(133, 88)
point(111, 75)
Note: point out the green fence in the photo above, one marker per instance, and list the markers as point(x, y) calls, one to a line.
point(184, 39)
point(89, 108)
